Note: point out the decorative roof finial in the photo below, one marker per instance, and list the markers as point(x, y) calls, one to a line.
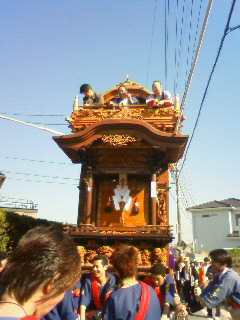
point(127, 79)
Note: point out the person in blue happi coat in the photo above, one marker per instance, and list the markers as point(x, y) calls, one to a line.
point(225, 284)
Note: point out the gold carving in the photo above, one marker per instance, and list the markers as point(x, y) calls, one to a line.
point(164, 119)
point(161, 207)
point(81, 252)
point(89, 255)
point(159, 255)
point(146, 257)
point(118, 139)
point(106, 251)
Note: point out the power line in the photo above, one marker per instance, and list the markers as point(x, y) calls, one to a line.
point(151, 43)
point(182, 211)
point(189, 39)
point(194, 63)
point(39, 175)
point(34, 160)
point(226, 31)
point(33, 115)
point(40, 181)
point(31, 125)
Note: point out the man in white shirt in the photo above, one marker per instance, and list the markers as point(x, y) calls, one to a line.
point(159, 96)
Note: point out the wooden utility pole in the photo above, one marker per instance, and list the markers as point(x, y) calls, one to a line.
point(179, 222)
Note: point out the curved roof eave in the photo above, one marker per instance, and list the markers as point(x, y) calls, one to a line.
point(131, 127)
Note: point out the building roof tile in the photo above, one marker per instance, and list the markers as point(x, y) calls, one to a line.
point(231, 202)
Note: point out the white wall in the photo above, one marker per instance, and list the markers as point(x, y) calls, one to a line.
point(210, 232)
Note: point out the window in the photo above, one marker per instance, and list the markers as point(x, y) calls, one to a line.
point(237, 217)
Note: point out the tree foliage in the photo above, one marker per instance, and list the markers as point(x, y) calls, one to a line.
point(13, 226)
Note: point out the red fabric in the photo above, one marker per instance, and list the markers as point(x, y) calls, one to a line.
point(144, 301)
point(201, 275)
point(95, 292)
point(29, 318)
point(157, 290)
point(234, 305)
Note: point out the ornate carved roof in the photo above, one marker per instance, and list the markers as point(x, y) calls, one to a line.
point(172, 145)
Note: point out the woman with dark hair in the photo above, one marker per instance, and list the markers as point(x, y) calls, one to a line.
point(44, 265)
point(134, 299)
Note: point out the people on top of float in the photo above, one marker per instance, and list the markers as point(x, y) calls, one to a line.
point(133, 299)
point(90, 97)
point(96, 288)
point(125, 98)
point(44, 265)
point(158, 97)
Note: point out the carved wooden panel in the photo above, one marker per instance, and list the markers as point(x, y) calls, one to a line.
point(146, 257)
point(107, 215)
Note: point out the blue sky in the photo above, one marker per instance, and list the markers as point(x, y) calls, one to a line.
point(49, 48)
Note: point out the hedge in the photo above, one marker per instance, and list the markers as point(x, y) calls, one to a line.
point(13, 226)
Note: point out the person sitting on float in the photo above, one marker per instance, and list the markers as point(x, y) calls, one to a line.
point(159, 97)
point(90, 97)
point(44, 265)
point(125, 98)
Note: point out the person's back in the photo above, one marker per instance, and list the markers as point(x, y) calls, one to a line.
point(124, 304)
point(63, 310)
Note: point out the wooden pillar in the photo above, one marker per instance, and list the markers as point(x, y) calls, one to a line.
point(82, 196)
point(94, 202)
point(89, 195)
point(153, 200)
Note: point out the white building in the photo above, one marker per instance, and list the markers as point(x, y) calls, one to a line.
point(216, 224)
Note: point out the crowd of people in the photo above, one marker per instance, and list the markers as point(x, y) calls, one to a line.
point(41, 279)
point(157, 99)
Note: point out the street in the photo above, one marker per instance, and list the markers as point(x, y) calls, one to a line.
point(225, 315)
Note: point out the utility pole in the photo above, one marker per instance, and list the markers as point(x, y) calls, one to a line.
point(179, 222)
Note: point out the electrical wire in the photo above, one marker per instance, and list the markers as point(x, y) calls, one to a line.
point(166, 40)
point(151, 42)
point(38, 175)
point(31, 125)
point(189, 41)
point(40, 181)
point(179, 48)
point(175, 50)
point(33, 115)
point(197, 27)
point(34, 160)
point(194, 63)
point(226, 31)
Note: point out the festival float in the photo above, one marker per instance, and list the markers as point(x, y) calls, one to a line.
point(126, 153)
